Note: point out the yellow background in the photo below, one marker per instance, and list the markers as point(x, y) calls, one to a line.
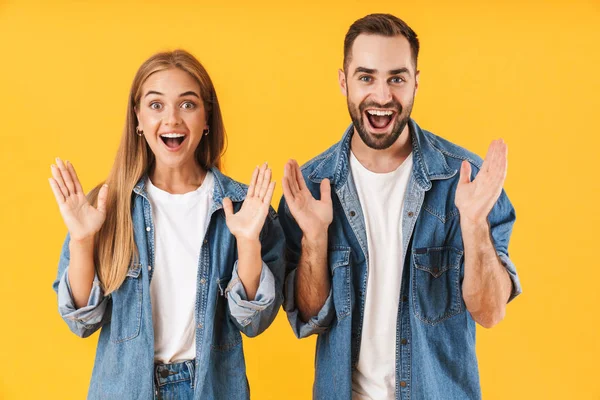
point(526, 72)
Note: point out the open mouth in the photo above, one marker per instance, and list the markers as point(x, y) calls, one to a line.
point(173, 140)
point(380, 120)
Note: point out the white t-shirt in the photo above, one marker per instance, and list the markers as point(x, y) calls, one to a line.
point(180, 221)
point(382, 199)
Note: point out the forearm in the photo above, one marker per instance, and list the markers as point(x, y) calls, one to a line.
point(486, 286)
point(249, 265)
point(81, 270)
point(312, 276)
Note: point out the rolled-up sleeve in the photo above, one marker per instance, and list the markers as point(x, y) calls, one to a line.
point(82, 321)
point(501, 220)
point(324, 318)
point(252, 317)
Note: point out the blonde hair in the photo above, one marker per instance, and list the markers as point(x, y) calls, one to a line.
point(114, 247)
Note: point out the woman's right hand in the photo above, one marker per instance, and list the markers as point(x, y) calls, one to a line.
point(82, 219)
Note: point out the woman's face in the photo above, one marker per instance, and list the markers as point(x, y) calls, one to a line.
point(171, 114)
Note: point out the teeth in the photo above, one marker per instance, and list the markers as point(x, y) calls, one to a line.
point(380, 112)
point(172, 135)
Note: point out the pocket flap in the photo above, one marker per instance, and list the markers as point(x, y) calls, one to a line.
point(437, 260)
point(338, 256)
point(134, 270)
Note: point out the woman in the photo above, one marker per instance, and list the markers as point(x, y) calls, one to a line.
point(171, 258)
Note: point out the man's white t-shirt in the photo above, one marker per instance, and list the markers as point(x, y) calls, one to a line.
point(382, 199)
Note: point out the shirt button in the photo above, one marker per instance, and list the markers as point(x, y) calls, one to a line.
point(403, 384)
point(203, 281)
point(436, 270)
point(200, 326)
point(147, 229)
point(403, 341)
point(149, 267)
point(410, 214)
point(404, 298)
point(205, 241)
point(352, 213)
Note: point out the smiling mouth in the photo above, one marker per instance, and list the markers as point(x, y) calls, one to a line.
point(380, 119)
point(173, 140)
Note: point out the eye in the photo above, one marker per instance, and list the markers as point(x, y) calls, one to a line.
point(397, 79)
point(188, 105)
point(155, 105)
point(365, 78)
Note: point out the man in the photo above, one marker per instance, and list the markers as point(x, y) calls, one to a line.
point(397, 240)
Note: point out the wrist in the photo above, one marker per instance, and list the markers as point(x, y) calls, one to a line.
point(315, 238)
point(81, 243)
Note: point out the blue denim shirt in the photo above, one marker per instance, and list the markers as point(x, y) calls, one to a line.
point(435, 334)
point(124, 363)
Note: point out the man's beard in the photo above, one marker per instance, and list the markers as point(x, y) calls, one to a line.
point(380, 142)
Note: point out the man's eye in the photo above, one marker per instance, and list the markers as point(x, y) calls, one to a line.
point(397, 79)
point(365, 78)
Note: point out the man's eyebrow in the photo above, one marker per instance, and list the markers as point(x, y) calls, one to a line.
point(364, 70)
point(399, 71)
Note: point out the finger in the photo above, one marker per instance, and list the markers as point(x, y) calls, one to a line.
point(287, 191)
point(227, 207)
point(252, 182)
point(326, 191)
point(59, 180)
point(489, 157)
point(301, 182)
point(294, 181)
point(102, 196)
point(269, 194)
point(289, 177)
point(56, 190)
point(465, 172)
point(66, 176)
point(75, 178)
point(261, 174)
point(265, 184)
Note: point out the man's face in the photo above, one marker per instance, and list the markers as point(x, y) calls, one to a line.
point(380, 85)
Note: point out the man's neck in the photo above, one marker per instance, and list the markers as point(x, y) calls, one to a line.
point(382, 161)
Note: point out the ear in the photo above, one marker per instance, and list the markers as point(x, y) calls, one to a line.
point(417, 81)
point(137, 113)
point(342, 82)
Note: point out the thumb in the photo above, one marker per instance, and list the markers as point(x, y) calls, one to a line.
point(465, 172)
point(227, 207)
point(326, 190)
point(102, 195)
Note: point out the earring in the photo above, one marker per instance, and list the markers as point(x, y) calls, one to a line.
point(138, 131)
point(206, 131)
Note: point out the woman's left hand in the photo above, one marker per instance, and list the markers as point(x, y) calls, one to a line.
point(247, 223)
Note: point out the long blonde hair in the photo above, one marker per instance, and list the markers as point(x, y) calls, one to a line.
point(114, 247)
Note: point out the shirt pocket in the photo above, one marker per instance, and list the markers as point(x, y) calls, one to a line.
point(339, 264)
point(126, 318)
point(226, 334)
point(436, 290)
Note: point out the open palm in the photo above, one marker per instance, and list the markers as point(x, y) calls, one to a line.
point(81, 218)
point(475, 199)
point(312, 215)
point(249, 220)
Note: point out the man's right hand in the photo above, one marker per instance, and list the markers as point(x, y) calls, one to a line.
point(81, 218)
point(313, 216)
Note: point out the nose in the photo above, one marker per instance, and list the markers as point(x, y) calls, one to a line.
point(172, 117)
point(383, 94)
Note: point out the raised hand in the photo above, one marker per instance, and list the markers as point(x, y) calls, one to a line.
point(81, 218)
point(475, 199)
point(247, 223)
point(313, 216)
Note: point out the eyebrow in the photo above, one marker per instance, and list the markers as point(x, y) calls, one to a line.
point(188, 93)
point(371, 71)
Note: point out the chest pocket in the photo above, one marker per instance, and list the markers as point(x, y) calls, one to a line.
point(436, 290)
point(126, 317)
point(339, 264)
point(226, 334)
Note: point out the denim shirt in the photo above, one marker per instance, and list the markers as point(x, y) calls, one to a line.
point(435, 334)
point(124, 366)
